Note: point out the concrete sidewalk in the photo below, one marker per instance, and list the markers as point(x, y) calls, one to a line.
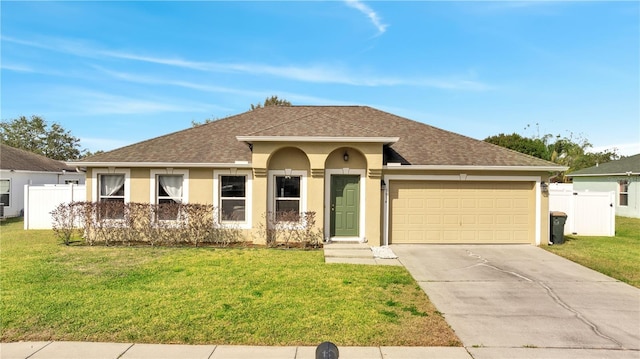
point(85, 350)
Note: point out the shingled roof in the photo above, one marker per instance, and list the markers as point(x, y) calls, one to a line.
point(625, 166)
point(418, 144)
point(12, 158)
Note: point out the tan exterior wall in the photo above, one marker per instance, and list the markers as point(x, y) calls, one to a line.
point(318, 161)
point(201, 185)
point(90, 184)
point(140, 185)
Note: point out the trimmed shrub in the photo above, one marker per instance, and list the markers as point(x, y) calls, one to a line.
point(117, 223)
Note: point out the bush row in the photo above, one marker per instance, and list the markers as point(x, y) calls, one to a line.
point(115, 223)
point(174, 224)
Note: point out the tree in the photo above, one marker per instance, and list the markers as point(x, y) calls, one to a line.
point(206, 120)
point(568, 151)
point(271, 101)
point(531, 146)
point(35, 135)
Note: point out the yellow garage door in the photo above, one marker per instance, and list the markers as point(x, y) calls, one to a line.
point(461, 212)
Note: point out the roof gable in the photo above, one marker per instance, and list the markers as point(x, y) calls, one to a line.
point(418, 143)
point(12, 158)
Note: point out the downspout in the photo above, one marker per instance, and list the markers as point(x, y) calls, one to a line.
point(385, 212)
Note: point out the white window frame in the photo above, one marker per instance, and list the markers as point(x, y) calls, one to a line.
point(248, 192)
point(9, 192)
point(271, 198)
point(622, 183)
point(95, 178)
point(153, 180)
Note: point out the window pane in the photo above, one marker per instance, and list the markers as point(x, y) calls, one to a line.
point(232, 186)
point(233, 210)
point(5, 189)
point(112, 185)
point(168, 210)
point(4, 186)
point(170, 186)
point(287, 210)
point(624, 199)
point(288, 187)
point(287, 206)
point(112, 208)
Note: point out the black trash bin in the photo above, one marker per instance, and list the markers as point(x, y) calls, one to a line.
point(558, 219)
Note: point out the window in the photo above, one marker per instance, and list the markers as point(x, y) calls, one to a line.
point(112, 194)
point(5, 192)
point(72, 181)
point(169, 196)
point(287, 198)
point(233, 198)
point(624, 192)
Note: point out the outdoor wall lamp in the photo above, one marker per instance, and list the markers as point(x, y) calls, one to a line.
point(346, 156)
point(544, 187)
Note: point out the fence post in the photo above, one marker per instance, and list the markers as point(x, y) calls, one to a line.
point(26, 207)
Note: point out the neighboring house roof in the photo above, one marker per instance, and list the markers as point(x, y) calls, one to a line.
point(12, 158)
point(417, 144)
point(625, 166)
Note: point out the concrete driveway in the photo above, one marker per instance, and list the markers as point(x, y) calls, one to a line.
point(526, 300)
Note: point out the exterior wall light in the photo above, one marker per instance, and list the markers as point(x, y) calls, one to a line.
point(346, 156)
point(544, 187)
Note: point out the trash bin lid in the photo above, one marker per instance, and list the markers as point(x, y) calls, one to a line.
point(558, 214)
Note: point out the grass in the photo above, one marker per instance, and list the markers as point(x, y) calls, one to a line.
point(204, 295)
point(616, 256)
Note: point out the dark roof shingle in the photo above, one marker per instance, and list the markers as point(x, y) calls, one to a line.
point(418, 144)
point(624, 166)
point(12, 158)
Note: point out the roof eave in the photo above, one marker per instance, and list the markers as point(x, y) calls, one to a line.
point(630, 173)
point(237, 164)
point(332, 139)
point(476, 168)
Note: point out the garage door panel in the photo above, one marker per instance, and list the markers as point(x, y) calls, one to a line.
point(461, 212)
point(416, 219)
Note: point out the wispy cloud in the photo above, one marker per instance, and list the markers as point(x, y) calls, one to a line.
point(17, 68)
point(370, 13)
point(313, 73)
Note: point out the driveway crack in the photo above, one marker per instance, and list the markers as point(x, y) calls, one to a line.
point(550, 292)
point(586, 321)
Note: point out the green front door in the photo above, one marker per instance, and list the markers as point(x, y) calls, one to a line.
point(345, 206)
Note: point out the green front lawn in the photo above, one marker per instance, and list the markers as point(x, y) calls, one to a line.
point(617, 257)
point(51, 291)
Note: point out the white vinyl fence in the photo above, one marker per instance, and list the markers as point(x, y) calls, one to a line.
point(588, 213)
point(39, 201)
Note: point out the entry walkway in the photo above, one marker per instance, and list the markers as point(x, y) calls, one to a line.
point(358, 253)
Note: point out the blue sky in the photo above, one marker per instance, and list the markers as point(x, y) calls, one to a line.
point(115, 73)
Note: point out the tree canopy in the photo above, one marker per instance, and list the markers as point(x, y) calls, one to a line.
point(271, 101)
point(567, 151)
point(36, 135)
